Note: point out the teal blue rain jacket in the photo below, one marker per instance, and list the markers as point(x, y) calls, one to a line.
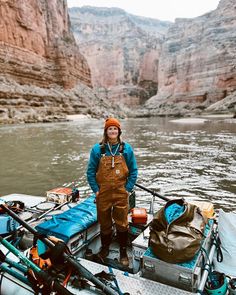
point(95, 156)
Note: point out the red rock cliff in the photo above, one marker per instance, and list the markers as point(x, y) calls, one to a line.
point(36, 45)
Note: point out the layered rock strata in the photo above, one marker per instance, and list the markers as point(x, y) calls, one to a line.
point(36, 45)
point(38, 49)
point(122, 51)
point(187, 67)
point(31, 104)
point(197, 65)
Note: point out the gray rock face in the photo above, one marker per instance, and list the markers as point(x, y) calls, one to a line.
point(197, 65)
point(185, 66)
point(122, 51)
point(31, 104)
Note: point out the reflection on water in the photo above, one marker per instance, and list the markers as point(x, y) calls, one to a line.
point(196, 161)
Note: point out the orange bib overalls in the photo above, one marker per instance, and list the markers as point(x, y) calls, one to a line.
point(112, 200)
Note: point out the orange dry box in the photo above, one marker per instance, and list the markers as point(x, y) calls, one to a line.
point(139, 215)
point(59, 195)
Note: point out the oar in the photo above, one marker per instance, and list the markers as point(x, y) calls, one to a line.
point(152, 192)
point(207, 267)
point(20, 267)
point(72, 261)
point(50, 282)
point(5, 268)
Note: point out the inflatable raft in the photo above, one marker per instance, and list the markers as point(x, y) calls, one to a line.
point(75, 225)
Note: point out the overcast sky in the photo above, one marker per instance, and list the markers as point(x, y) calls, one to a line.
point(159, 9)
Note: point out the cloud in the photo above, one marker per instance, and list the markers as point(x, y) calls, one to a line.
point(159, 9)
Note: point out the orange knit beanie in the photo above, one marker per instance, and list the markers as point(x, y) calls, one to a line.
point(112, 122)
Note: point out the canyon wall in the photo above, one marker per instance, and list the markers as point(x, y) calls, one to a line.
point(184, 67)
point(122, 51)
point(197, 64)
point(151, 67)
point(37, 49)
point(37, 46)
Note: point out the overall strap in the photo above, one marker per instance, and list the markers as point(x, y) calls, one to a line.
point(103, 150)
point(121, 149)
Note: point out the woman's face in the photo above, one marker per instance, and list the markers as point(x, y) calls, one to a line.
point(112, 132)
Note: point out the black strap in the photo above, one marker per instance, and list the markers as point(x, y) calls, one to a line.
point(103, 149)
point(2, 256)
point(122, 146)
point(219, 253)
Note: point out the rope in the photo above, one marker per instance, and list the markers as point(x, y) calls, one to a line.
point(217, 243)
point(115, 281)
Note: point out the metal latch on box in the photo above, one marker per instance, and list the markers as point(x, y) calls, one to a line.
point(149, 266)
point(185, 279)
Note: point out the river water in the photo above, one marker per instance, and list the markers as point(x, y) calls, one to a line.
point(192, 160)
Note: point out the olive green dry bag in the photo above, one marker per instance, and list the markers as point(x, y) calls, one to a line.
point(179, 240)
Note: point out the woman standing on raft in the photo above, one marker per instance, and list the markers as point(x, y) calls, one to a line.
point(111, 173)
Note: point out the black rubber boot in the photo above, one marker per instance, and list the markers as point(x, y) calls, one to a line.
point(104, 251)
point(123, 239)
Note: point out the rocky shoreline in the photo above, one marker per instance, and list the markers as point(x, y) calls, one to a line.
point(31, 104)
point(21, 104)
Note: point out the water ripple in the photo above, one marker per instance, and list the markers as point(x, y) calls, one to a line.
point(197, 162)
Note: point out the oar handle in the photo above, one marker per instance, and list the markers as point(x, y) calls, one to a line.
point(86, 273)
point(89, 276)
point(152, 192)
